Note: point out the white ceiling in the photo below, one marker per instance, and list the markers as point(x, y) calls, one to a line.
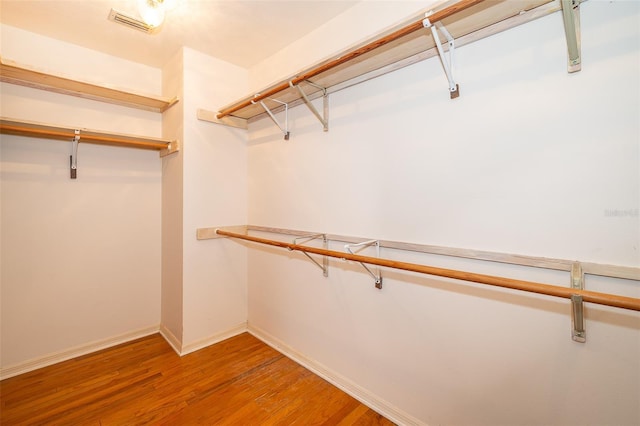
point(241, 32)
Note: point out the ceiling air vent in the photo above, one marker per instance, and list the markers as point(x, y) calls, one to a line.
point(130, 22)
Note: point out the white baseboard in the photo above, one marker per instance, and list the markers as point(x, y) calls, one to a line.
point(56, 357)
point(171, 339)
point(363, 395)
point(216, 338)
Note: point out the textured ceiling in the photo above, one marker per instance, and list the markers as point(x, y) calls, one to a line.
point(237, 31)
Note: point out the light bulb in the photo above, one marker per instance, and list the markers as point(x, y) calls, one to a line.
point(151, 12)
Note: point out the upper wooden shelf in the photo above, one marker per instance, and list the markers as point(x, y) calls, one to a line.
point(11, 72)
point(405, 44)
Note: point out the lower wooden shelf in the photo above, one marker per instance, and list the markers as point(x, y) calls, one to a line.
point(12, 126)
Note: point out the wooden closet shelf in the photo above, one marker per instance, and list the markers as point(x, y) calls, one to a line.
point(47, 131)
point(11, 72)
point(465, 20)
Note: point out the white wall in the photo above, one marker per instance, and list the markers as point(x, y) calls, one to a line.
point(80, 258)
point(528, 160)
point(124, 206)
point(215, 194)
point(203, 282)
point(362, 21)
point(172, 207)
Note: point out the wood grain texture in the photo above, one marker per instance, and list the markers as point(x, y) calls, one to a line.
point(461, 18)
point(11, 72)
point(606, 299)
point(613, 271)
point(352, 55)
point(34, 129)
point(240, 381)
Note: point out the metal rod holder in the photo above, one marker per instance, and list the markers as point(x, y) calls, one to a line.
point(578, 332)
point(447, 63)
point(324, 120)
point(571, 19)
point(73, 158)
point(325, 245)
point(284, 129)
point(377, 277)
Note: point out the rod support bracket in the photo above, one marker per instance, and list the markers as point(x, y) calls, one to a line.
point(571, 19)
point(325, 245)
point(377, 277)
point(73, 158)
point(448, 63)
point(283, 128)
point(578, 332)
point(324, 118)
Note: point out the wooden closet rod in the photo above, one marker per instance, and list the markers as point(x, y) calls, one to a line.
point(533, 287)
point(416, 26)
point(68, 135)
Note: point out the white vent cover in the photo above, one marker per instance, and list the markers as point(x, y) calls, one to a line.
point(130, 22)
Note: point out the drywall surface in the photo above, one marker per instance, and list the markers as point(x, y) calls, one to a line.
point(215, 194)
point(80, 258)
point(529, 160)
point(172, 207)
point(357, 24)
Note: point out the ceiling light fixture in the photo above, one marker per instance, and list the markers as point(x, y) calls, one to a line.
point(152, 11)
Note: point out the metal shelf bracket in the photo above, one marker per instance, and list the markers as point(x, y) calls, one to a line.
point(284, 129)
point(571, 19)
point(447, 63)
point(73, 158)
point(578, 332)
point(324, 118)
point(378, 276)
point(325, 245)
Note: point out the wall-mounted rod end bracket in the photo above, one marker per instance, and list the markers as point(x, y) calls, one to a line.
point(378, 283)
point(448, 63)
point(73, 158)
point(578, 333)
point(455, 92)
point(571, 19)
point(73, 172)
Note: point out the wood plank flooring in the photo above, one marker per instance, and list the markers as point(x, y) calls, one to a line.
point(240, 381)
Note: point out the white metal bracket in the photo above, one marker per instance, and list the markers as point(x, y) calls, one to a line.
point(73, 158)
point(571, 18)
point(285, 128)
point(325, 245)
point(447, 63)
point(324, 118)
point(578, 332)
point(378, 276)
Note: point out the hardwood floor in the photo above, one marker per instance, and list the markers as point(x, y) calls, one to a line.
point(240, 381)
